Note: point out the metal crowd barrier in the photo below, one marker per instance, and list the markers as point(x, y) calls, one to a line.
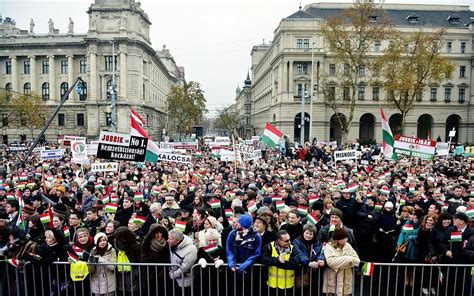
point(153, 279)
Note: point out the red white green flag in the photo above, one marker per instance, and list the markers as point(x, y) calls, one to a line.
point(252, 206)
point(139, 220)
point(228, 213)
point(368, 269)
point(312, 220)
point(387, 137)
point(456, 236)
point(470, 212)
point(215, 203)
point(210, 248)
point(44, 218)
point(303, 210)
point(111, 208)
point(271, 135)
point(181, 225)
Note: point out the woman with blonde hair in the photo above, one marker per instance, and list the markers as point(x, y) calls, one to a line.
point(341, 259)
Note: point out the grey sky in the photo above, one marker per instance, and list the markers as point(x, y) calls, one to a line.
point(212, 39)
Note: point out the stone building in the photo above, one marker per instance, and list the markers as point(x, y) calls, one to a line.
point(281, 68)
point(243, 105)
point(48, 63)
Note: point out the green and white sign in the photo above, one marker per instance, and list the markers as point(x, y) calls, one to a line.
point(414, 147)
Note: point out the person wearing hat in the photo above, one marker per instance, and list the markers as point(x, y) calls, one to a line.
point(102, 277)
point(20, 246)
point(335, 222)
point(260, 224)
point(282, 259)
point(243, 246)
point(170, 208)
point(368, 219)
point(310, 254)
point(185, 215)
point(341, 258)
point(317, 210)
point(386, 233)
point(349, 207)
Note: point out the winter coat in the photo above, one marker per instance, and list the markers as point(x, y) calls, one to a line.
point(170, 211)
point(183, 255)
point(366, 226)
point(243, 251)
point(325, 235)
point(339, 272)
point(103, 276)
point(305, 254)
point(412, 252)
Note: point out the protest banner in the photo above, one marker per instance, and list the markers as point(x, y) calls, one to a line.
point(79, 151)
point(53, 154)
point(345, 155)
point(99, 167)
point(121, 147)
point(180, 158)
point(442, 149)
point(414, 147)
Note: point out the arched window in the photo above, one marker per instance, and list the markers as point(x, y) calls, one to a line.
point(63, 88)
point(27, 88)
point(8, 89)
point(45, 91)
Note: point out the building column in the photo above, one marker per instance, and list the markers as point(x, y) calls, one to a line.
point(123, 75)
point(53, 87)
point(70, 75)
point(291, 81)
point(92, 88)
point(33, 75)
point(15, 86)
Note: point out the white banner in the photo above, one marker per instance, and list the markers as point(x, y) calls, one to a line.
point(345, 155)
point(180, 158)
point(227, 155)
point(114, 139)
point(92, 148)
point(79, 151)
point(52, 154)
point(98, 167)
point(442, 149)
point(245, 150)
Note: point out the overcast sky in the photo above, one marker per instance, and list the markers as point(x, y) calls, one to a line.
point(212, 39)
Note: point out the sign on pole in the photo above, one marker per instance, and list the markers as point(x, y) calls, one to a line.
point(79, 151)
point(442, 148)
point(174, 157)
point(414, 147)
point(121, 147)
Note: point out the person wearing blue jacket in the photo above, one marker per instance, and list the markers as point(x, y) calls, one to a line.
point(311, 256)
point(243, 249)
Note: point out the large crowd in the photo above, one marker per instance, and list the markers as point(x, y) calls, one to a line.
point(293, 209)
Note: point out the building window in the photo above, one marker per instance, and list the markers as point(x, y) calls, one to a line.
point(45, 67)
point(108, 119)
point(433, 94)
point(83, 94)
point(332, 93)
point(449, 47)
point(447, 94)
point(8, 67)
point(61, 119)
point(419, 96)
point(109, 63)
point(82, 66)
point(27, 88)
point(63, 66)
point(375, 93)
point(346, 69)
point(462, 95)
point(300, 90)
point(5, 139)
point(346, 93)
point(63, 88)
point(391, 95)
point(362, 70)
point(301, 68)
point(80, 119)
point(332, 69)
point(302, 43)
point(463, 47)
point(361, 92)
point(45, 91)
point(4, 119)
point(109, 89)
point(8, 90)
point(26, 67)
point(462, 71)
point(377, 45)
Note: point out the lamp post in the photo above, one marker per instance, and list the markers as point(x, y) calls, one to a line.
point(303, 98)
point(113, 91)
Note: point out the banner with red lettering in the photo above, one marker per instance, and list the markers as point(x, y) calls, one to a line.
point(121, 147)
point(414, 147)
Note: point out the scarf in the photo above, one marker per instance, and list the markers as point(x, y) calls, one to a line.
point(87, 245)
point(101, 251)
point(157, 245)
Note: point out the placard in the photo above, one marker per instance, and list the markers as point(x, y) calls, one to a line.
point(414, 147)
point(345, 155)
point(79, 151)
point(98, 167)
point(180, 158)
point(442, 149)
point(53, 154)
point(121, 147)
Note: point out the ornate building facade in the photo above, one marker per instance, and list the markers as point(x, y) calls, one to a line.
point(48, 63)
point(282, 67)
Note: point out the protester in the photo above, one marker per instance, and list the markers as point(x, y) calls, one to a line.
point(102, 275)
point(183, 253)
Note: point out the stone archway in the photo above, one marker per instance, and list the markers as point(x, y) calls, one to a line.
point(395, 123)
point(453, 121)
point(367, 127)
point(335, 129)
point(424, 126)
point(297, 127)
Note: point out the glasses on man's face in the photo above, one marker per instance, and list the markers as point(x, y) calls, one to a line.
point(82, 236)
point(285, 241)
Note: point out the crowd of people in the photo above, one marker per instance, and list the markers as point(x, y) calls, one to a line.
point(293, 212)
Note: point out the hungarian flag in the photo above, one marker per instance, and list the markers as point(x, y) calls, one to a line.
point(470, 212)
point(280, 205)
point(353, 187)
point(368, 269)
point(210, 248)
point(313, 220)
point(215, 203)
point(456, 236)
point(44, 218)
point(79, 252)
point(138, 196)
point(14, 262)
point(111, 208)
point(72, 257)
point(139, 220)
point(252, 206)
point(66, 231)
point(134, 114)
point(378, 207)
point(408, 227)
point(228, 213)
point(271, 135)
point(387, 137)
point(303, 210)
point(181, 225)
point(136, 129)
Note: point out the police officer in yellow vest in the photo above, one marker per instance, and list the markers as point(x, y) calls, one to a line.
point(282, 259)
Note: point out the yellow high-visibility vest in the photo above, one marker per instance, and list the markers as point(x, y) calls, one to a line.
point(279, 277)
